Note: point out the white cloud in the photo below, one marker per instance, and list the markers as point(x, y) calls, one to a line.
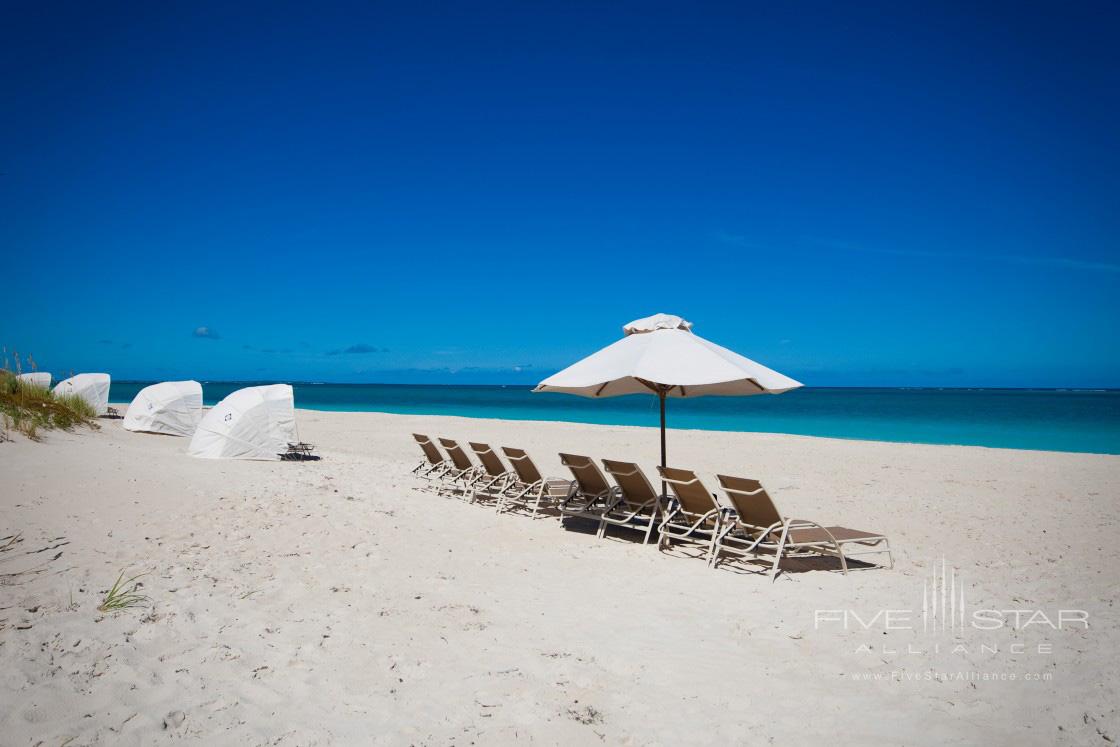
point(208, 333)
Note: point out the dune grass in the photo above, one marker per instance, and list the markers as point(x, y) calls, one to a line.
point(123, 595)
point(28, 409)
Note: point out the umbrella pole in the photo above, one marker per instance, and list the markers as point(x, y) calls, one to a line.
point(661, 396)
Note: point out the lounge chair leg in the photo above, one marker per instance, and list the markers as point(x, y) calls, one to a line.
point(778, 553)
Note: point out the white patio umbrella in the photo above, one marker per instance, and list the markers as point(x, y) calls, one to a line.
point(660, 355)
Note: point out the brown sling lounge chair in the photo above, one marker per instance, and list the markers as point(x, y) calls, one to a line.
point(434, 464)
point(757, 527)
point(590, 493)
point(528, 489)
point(636, 504)
point(463, 473)
point(492, 479)
point(693, 516)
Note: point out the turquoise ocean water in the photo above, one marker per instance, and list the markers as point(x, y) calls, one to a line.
point(1055, 420)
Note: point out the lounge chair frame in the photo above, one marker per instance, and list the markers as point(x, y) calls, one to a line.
point(589, 494)
point(784, 537)
point(636, 505)
point(434, 464)
point(693, 516)
point(528, 489)
point(492, 477)
point(463, 473)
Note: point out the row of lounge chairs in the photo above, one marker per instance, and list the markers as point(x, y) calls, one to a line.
point(747, 525)
point(522, 487)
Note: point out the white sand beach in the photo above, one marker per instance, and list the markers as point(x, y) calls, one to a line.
point(329, 602)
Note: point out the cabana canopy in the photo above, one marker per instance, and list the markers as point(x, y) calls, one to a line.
point(92, 387)
point(257, 422)
point(170, 407)
point(36, 378)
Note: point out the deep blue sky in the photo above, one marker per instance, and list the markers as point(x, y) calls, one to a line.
point(869, 195)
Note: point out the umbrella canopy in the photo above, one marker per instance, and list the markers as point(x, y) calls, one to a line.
point(660, 352)
point(661, 355)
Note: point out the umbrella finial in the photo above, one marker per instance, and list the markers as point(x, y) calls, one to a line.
point(656, 322)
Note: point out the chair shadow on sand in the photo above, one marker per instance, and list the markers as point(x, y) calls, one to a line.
point(762, 564)
point(744, 566)
point(300, 457)
point(584, 525)
point(753, 566)
point(579, 525)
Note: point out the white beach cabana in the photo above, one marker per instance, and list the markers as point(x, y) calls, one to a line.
point(661, 355)
point(257, 422)
point(92, 387)
point(170, 407)
point(36, 378)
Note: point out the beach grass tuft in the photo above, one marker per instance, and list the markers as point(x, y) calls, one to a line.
point(123, 595)
point(29, 409)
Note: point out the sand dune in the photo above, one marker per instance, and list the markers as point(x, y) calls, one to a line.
point(329, 602)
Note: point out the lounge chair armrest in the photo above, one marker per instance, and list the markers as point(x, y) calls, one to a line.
point(611, 499)
point(727, 516)
point(670, 511)
point(801, 524)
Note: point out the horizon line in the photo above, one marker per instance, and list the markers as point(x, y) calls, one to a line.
point(531, 386)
